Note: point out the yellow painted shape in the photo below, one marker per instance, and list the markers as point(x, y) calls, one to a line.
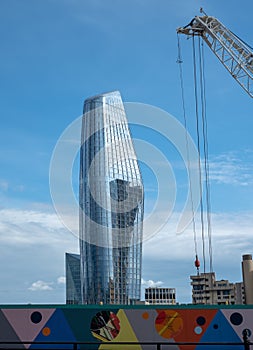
point(171, 319)
point(126, 334)
point(95, 335)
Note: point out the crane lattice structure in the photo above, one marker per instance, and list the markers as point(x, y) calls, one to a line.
point(234, 53)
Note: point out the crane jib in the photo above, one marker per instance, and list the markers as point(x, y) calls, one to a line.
point(235, 55)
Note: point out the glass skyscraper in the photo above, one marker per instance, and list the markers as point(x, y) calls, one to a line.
point(73, 282)
point(111, 205)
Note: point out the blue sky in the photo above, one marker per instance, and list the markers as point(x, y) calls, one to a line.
point(56, 53)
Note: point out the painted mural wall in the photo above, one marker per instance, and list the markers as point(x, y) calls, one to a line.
point(108, 324)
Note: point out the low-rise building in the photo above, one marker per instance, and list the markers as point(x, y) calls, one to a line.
point(206, 290)
point(160, 295)
point(240, 293)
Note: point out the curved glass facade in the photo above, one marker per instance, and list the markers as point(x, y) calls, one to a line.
point(111, 205)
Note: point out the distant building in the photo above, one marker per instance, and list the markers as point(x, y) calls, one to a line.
point(247, 273)
point(73, 282)
point(206, 290)
point(159, 295)
point(239, 293)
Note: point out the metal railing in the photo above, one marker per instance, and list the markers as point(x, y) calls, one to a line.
point(14, 345)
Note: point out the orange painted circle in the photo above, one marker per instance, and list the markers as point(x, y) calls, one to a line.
point(46, 331)
point(168, 323)
point(145, 315)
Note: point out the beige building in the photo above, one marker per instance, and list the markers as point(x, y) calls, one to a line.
point(159, 295)
point(240, 293)
point(247, 273)
point(206, 290)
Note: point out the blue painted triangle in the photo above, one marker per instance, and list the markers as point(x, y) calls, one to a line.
point(220, 330)
point(59, 330)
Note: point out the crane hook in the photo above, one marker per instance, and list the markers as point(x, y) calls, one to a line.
point(197, 264)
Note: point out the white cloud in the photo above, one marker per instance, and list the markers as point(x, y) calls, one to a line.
point(40, 285)
point(231, 231)
point(151, 283)
point(4, 185)
point(30, 227)
point(61, 280)
point(232, 168)
point(168, 257)
point(19, 188)
point(17, 216)
point(38, 241)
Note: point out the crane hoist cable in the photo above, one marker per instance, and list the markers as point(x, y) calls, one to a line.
point(199, 151)
point(203, 120)
point(180, 61)
point(205, 148)
point(202, 146)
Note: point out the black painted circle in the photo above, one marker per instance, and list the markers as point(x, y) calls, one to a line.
point(215, 326)
point(236, 319)
point(201, 320)
point(36, 317)
point(247, 332)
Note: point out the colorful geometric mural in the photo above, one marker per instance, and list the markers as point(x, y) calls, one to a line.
point(104, 325)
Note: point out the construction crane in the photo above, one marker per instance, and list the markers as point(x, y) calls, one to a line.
point(234, 53)
point(237, 57)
